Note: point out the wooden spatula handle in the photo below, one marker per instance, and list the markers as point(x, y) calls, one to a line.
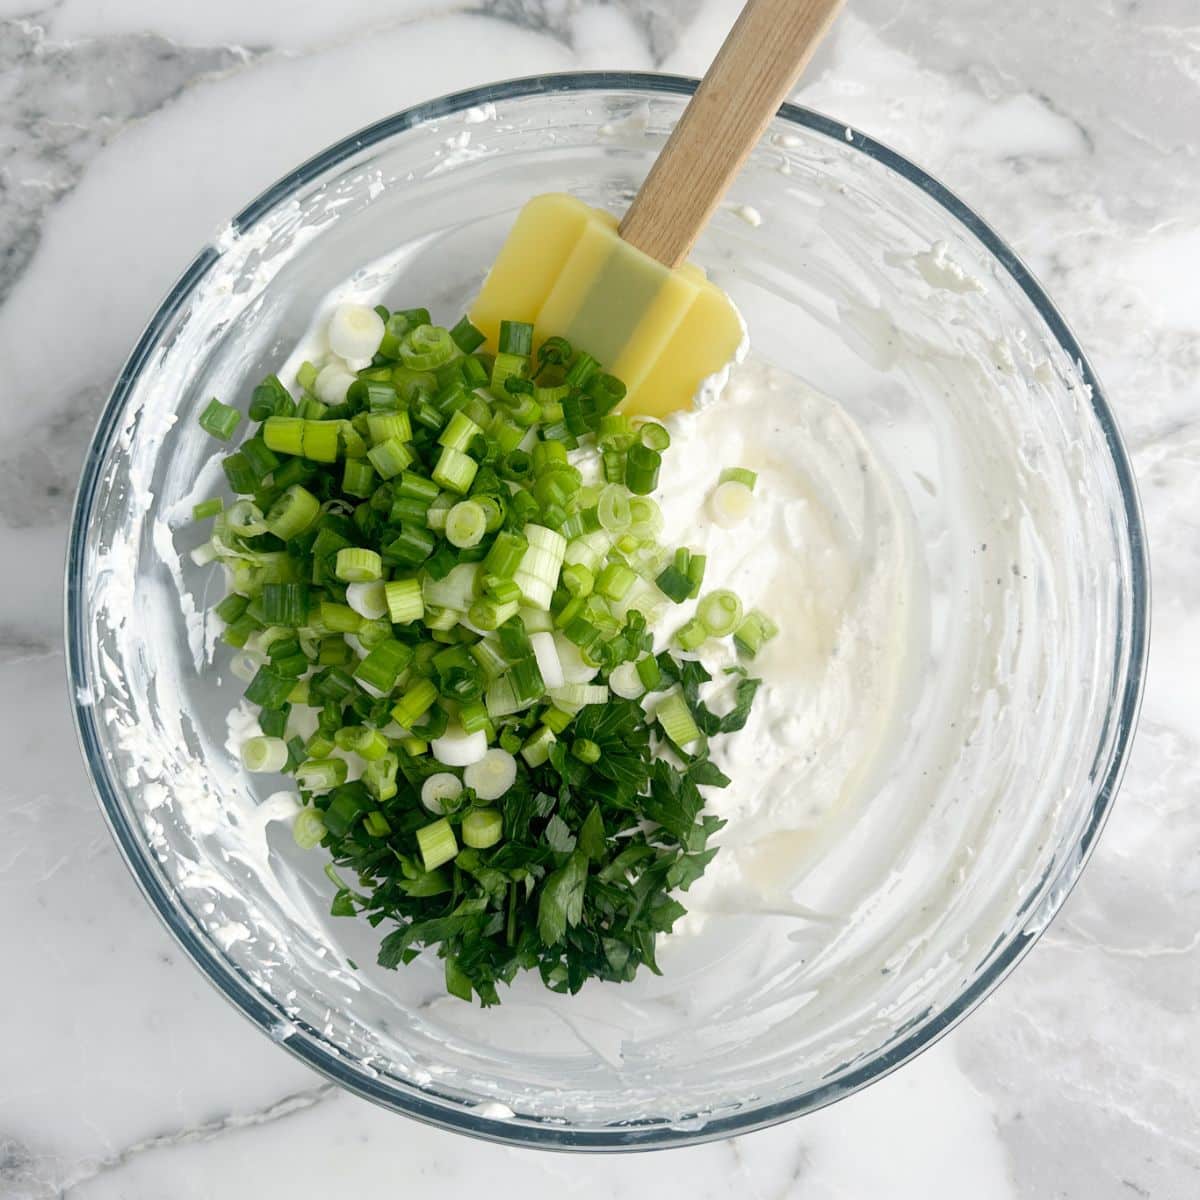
point(749, 79)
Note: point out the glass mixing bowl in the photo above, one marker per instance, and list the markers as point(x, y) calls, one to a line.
point(855, 270)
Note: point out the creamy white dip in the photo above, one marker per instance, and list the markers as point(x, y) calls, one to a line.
point(826, 551)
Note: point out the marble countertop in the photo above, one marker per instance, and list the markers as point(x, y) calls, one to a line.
point(131, 130)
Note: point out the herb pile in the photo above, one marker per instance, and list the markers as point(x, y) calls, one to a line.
point(447, 632)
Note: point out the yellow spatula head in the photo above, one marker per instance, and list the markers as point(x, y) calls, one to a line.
point(564, 270)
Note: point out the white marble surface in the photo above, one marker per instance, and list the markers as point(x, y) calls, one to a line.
point(131, 130)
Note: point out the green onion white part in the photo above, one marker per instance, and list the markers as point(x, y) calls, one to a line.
point(438, 789)
point(549, 662)
point(308, 828)
point(456, 748)
point(355, 331)
point(625, 682)
point(333, 382)
point(730, 503)
point(368, 599)
point(492, 776)
point(571, 661)
point(537, 576)
point(264, 754)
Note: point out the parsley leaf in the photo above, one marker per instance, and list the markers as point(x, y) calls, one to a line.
point(561, 902)
point(560, 838)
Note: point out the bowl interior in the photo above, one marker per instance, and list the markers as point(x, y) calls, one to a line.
point(967, 825)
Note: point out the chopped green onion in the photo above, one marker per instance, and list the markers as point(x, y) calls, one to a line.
point(371, 632)
point(492, 775)
point(239, 473)
point(361, 740)
point(390, 457)
point(720, 612)
point(695, 573)
point(557, 719)
point(654, 436)
point(220, 420)
point(339, 618)
point(321, 774)
point(641, 469)
point(739, 475)
point(357, 566)
point(292, 513)
point(482, 827)
point(473, 717)
point(647, 519)
point(516, 337)
point(404, 601)
point(207, 508)
point(308, 829)
point(613, 509)
point(676, 720)
point(615, 580)
point(427, 347)
point(232, 607)
point(458, 748)
point(455, 471)
point(754, 632)
point(319, 440)
point(414, 704)
point(691, 635)
point(285, 604)
point(411, 547)
point(306, 376)
point(624, 681)
point(578, 580)
point(284, 435)
point(439, 791)
point(264, 754)
point(358, 478)
point(260, 457)
point(505, 367)
point(459, 433)
point(271, 398)
point(730, 503)
point(466, 337)
point(379, 776)
point(674, 583)
point(466, 524)
point(572, 697)
point(605, 392)
point(536, 750)
point(376, 824)
point(437, 844)
point(416, 487)
point(537, 575)
point(385, 426)
point(368, 598)
point(582, 369)
point(383, 664)
point(585, 750)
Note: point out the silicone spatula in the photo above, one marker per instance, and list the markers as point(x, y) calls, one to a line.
point(623, 291)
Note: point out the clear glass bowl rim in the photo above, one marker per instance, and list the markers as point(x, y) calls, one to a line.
point(447, 1113)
